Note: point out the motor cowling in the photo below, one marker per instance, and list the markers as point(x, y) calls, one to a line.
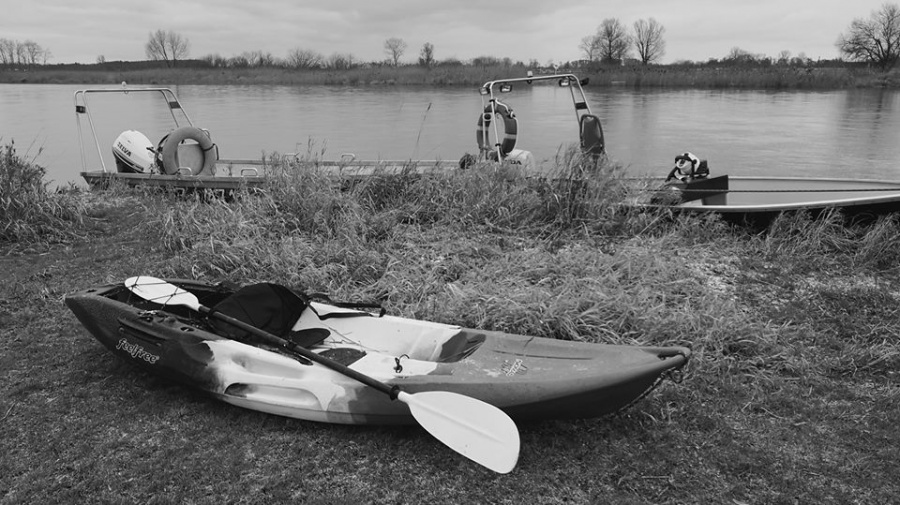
point(133, 152)
point(520, 158)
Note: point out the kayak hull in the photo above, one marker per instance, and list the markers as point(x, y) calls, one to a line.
point(530, 378)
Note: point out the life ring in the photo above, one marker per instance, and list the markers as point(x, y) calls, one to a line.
point(167, 152)
point(510, 128)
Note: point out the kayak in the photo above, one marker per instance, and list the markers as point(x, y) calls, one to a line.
point(529, 378)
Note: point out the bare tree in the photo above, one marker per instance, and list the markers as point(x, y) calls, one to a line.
point(426, 55)
point(590, 46)
point(784, 57)
point(215, 60)
point(21, 57)
point(257, 59)
point(338, 61)
point(611, 42)
point(167, 46)
point(394, 48)
point(304, 58)
point(740, 56)
point(800, 60)
point(486, 61)
point(32, 52)
point(875, 40)
point(13, 52)
point(156, 48)
point(7, 51)
point(648, 40)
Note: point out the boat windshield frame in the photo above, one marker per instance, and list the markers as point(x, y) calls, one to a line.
point(490, 89)
point(180, 116)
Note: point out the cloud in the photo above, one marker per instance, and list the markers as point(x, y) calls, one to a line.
point(521, 30)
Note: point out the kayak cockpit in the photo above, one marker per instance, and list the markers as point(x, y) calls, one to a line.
point(417, 340)
point(342, 328)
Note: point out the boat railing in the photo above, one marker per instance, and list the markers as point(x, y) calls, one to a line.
point(491, 89)
point(83, 110)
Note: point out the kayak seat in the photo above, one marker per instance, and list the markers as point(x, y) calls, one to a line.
point(308, 337)
point(344, 356)
point(418, 340)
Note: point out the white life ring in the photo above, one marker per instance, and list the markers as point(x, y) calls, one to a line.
point(167, 152)
point(510, 128)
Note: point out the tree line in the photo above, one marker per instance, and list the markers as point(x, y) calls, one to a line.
point(875, 40)
point(612, 42)
point(308, 59)
point(14, 52)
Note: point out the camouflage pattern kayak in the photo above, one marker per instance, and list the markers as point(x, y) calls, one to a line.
point(527, 377)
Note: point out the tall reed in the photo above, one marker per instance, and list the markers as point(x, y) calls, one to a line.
point(29, 212)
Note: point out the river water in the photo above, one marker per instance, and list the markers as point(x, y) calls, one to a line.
point(847, 133)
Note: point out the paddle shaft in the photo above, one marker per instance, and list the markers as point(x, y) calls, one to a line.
point(392, 391)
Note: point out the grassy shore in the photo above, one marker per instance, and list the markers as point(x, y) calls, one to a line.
point(654, 76)
point(792, 395)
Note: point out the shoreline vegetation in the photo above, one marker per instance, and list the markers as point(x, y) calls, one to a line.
point(809, 76)
point(791, 395)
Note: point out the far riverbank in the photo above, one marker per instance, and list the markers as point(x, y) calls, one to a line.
point(665, 76)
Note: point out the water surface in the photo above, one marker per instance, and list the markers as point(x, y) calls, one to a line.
point(848, 133)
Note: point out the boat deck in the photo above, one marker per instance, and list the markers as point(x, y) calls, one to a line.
point(235, 174)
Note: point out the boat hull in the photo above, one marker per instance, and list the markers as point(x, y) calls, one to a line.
point(761, 196)
point(230, 175)
point(528, 377)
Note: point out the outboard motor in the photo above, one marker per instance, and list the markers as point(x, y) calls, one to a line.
point(689, 180)
point(688, 167)
point(133, 152)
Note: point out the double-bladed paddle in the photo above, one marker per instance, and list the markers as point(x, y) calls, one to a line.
point(471, 427)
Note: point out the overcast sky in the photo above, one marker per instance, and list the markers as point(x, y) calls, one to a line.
point(81, 30)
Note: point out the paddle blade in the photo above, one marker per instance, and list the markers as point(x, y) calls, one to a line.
point(473, 428)
point(161, 292)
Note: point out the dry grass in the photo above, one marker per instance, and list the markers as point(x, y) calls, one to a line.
point(791, 397)
point(29, 215)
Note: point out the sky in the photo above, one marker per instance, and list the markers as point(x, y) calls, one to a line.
point(544, 30)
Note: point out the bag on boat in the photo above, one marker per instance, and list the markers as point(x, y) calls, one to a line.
point(276, 309)
point(269, 307)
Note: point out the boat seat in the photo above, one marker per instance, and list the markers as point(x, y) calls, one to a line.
point(712, 191)
point(592, 143)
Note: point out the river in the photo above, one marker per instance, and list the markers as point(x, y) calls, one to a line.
point(846, 133)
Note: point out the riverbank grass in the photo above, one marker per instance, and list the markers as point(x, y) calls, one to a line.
point(791, 394)
point(29, 212)
point(634, 76)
